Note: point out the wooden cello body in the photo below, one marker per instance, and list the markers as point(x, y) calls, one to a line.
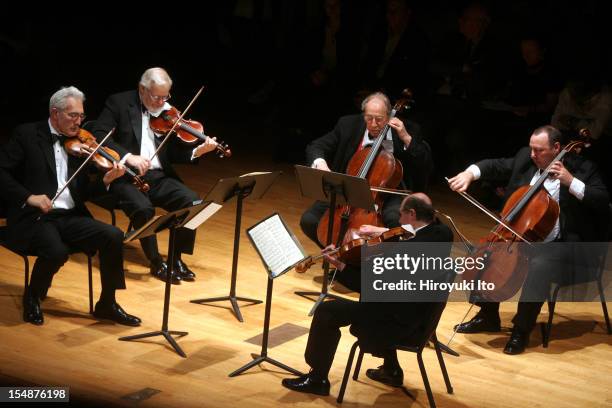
point(381, 169)
point(529, 215)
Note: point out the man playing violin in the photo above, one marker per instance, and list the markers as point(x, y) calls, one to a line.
point(130, 112)
point(333, 151)
point(584, 216)
point(34, 166)
point(379, 325)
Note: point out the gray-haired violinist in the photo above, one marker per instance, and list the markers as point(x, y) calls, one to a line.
point(34, 167)
point(130, 113)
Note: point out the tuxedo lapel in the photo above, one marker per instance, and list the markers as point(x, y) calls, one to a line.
point(355, 139)
point(528, 175)
point(135, 113)
point(44, 142)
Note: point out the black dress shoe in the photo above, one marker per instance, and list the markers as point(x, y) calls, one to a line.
point(306, 383)
point(160, 271)
point(115, 313)
point(394, 378)
point(32, 312)
point(183, 271)
point(517, 343)
point(479, 324)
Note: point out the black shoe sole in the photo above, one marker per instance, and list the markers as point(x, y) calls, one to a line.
point(395, 384)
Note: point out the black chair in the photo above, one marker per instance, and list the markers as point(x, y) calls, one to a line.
point(416, 345)
point(598, 278)
point(26, 263)
point(557, 286)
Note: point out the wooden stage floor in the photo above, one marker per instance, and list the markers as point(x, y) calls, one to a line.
point(74, 349)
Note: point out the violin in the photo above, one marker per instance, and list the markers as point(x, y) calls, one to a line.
point(104, 158)
point(529, 215)
point(380, 168)
point(188, 131)
point(350, 251)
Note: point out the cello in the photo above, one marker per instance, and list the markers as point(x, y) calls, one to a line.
point(380, 168)
point(529, 215)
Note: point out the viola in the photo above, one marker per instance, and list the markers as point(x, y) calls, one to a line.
point(380, 168)
point(188, 131)
point(104, 158)
point(350, 251)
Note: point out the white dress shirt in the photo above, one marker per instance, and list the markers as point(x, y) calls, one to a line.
point(553, 186)
point(65, 199)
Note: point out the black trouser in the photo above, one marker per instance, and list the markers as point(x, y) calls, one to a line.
point(60, 232)
point(324, 334)
point(548, 265)
point(165, 192)
point(311, 217)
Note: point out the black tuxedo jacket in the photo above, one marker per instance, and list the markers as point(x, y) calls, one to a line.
point(27, 167)
point(383, 325)
point(580, 220)
point(338, 147)
point(123, 111)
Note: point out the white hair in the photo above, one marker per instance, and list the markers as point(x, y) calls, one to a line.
point(157, 76)
point(377, 95)
point(58, 99)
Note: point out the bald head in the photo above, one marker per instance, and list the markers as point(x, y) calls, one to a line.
point(422, 206)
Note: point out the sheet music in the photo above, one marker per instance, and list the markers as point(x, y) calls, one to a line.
point(203, 215)
point(275, 245)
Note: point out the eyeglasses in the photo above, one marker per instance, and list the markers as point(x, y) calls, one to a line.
point(376, 119)
point(159, 98)
point(76, 115)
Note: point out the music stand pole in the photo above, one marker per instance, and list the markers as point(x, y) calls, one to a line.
point(263, 356)
point(333, 191)
point(240, 194)
point(164, 330)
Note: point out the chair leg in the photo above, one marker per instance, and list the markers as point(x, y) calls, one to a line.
point(26, 272)
point(551, 312)
point(430, 397)
point(347, 371)
point(89, 274)
point(358, 365)
point(604, 307)
point(449, 387)
point(113, 218)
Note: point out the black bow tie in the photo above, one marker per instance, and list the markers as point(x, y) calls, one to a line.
point(58, 138)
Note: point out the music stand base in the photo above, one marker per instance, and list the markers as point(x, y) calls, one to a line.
point(258, 359)
point(166, 333)
point(320, 298)
point(233, 301)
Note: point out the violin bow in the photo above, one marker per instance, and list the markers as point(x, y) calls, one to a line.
point(482, 208)
point(176, 123)
point(391, 191)
point(91, 154)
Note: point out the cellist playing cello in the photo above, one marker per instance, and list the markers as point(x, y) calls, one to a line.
point(584, 216)
point(351, 134)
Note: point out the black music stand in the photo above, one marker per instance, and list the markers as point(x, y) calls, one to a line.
point(272, 225)
point(253, 185)
point(338, 189)
point(191, 217)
